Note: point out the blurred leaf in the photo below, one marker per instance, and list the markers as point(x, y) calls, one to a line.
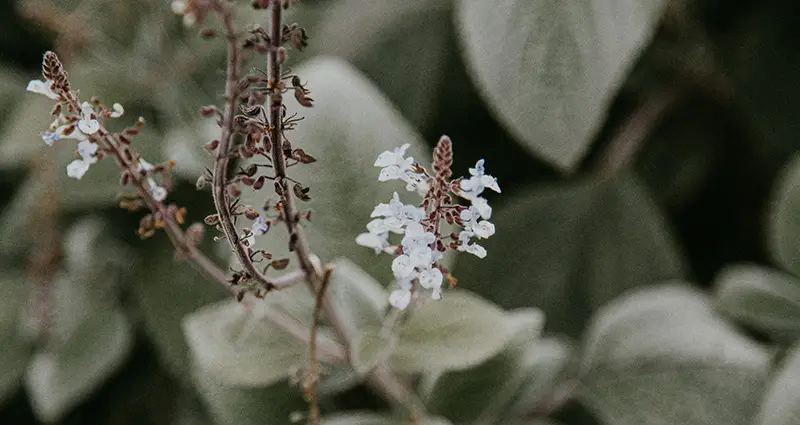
point(254, 406)
point(167, 291)
point(661, 356)
point(781, 405)
point(380, 36)
point(570, 249)
point(549, 69)
point(767, 300)
point(20, 138)
point(350, 124)
point(240, 348)
point(370, 347)
point(784, 221)
point(14, 350)
point(457, 332)
point(186, 147)
point(16, 218)
point(376, 419)
point(501, 388)
point(359, 298)
point(58, 380)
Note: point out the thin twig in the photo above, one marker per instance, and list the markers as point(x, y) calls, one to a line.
point(312, 374)
point(381, 378)
point(629, 140)
point(223, 150)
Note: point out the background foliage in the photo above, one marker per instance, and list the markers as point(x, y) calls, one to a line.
point(650, 209)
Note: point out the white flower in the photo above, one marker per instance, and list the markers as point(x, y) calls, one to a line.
point(259, 226)
point(482, 229)
point(50, 137)
point(42, 87)
point(416, 181)
point(416, 237)
point(395, 158)
point(88, 123)
point(145, 166)
point(482, 206)
point(157, 192)
point(400, 298)
point(473, 249)
point(376, 241)
point(472, 187)
point(431, 278)
point(397, 216)
point(87, 152)
point(180, 7)
point(118, 110)
point(403, 267)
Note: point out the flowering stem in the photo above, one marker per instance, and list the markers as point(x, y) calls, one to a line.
point(382, 377)
point(223, 151)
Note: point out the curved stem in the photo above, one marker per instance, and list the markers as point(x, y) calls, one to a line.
point(220, 175)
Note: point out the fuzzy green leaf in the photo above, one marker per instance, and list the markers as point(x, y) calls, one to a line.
point(781, 405)
point(661, 356)
point(457, 332)
point(14, 350)
point(767, 300)
point(568, 249)
point(550, 68)
point(370, 347)
point(59, 380)
point(784, 222)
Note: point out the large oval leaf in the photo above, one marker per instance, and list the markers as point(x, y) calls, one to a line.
point(14, 350)
point(570, 249)
point(781, 404)
point(549, 68)
point(228, 405)
point(660, 356)
point(349, 126)
point(59, 380)
point(767, 300)
point(459, 331)
point(784, 222)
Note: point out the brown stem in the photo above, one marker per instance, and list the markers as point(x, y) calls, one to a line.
point(626, 144)
point(312, 374)
point(382, 378)
point(220, 175)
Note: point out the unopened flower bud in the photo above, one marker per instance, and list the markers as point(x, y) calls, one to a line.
point(208, 111)
point(212, 219)
point(259, 183)
point(212, 146)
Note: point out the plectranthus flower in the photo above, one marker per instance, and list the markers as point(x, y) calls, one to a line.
point(416, 264)
point(158, 193)
point(88, 123)
point(88, 156)
point(42, 87)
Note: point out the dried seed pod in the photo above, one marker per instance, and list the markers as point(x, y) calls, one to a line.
point(212, 220)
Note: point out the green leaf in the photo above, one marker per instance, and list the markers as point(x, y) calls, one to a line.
point(767, 300)
point(376, 419)
point(58, 380)
point(350, 124)
point(238, 347)
point(781, 405)
point(569, 249)
point(379, 36)
point(228, 405)
point(359, 298)
point(549, 69)
point(457, 332)
point(784, 221)
point(503, 387)
point(370, 347)
point(167, 291)
point(661, 356)
point(14, 350)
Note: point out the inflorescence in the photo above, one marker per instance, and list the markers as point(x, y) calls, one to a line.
point(418, 257)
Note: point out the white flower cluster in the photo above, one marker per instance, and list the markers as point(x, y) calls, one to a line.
point(417, 254)
point(86, 126)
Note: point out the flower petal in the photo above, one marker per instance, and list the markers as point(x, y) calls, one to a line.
point(42, 87)
point(400, 299)
point(77, 168)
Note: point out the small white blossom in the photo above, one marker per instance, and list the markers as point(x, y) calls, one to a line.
point(431, 278)
point(396, 215)
point(157, 192)
point(50, 137)
point(482, 229)
point(403, 267)
point(180, 7)
point(400, 298)
point(259, 227)
point(482, 206)
point(416, 237)
point(378, 242)
point(88, 123)
point(474, 249)
point(117, 109)
point(87, 152)
point(145, 166)
point(472, 187)
point(42, 87)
